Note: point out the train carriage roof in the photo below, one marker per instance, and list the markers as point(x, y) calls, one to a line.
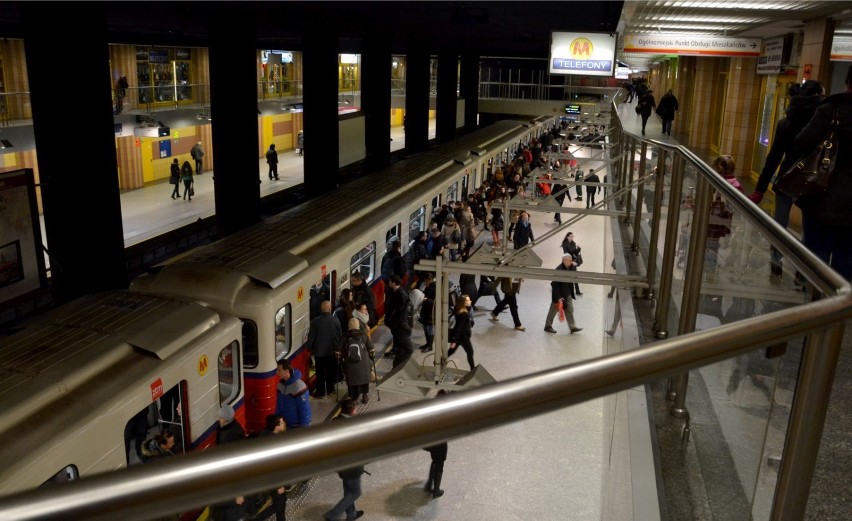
point(74, 346)
point(261, 250)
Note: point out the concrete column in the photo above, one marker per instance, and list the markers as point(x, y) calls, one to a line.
point(417, 99)
point(445, 124)
point(376, 99)
point(470, 89)
point(233, 105)
point(75, 148)
point(322, 134)
point(816, 49)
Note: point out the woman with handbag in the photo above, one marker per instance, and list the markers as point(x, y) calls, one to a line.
point(826, 219)
point(804, 100)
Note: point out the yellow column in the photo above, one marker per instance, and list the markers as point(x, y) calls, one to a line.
point(816, 49)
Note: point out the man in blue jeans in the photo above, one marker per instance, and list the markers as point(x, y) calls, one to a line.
point(351, 477)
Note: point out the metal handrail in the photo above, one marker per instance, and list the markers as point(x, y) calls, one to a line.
point(182, 483)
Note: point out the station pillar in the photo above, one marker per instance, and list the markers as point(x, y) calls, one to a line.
point(322, 148)
point(417, 80)
point(233, 105)
point(75, 153)
point(469, 86)
point(376, 99)
point(816, 50)
point(446, 101)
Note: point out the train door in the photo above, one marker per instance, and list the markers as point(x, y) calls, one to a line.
point(436, 204)
point(465, 182)
point(416, 222)
point(453, 192)
point(159, 428)
point(283, 331)
point(320, 292)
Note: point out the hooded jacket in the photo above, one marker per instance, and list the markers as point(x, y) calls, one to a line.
point(293, 401)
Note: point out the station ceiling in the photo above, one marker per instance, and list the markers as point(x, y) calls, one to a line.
point(489, 28)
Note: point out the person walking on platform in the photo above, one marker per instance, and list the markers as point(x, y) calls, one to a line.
point(562, 295)
point(351, 477)
point(436, 468)
point(272, 161)
point(569, 246)
point(460, 335)
point(275, 425)
point(666, 110)
point(523, 231)
point(186, 177)
point(591, 190)
point(174, 178)
point(826, 219)
point(300, 142)
point(804, 100)
point(646, 107)
point(511, 288)
point(197, 153)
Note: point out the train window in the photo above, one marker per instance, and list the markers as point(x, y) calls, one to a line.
point(229, 378)
point(393, 232)
point(416, 222)
point(251, 355)
point(436, 203)
point(69, 473)
point(283, 324)
point(364, 262)
point(453, 192)
point(465, 181)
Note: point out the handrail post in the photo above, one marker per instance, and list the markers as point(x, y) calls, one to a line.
point(692, 284)
point(630, 182)
point(661, 318)
point(659, 186)
point(640, 192)
point(807, 419)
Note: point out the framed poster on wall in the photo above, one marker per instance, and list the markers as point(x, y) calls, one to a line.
point(22, 267)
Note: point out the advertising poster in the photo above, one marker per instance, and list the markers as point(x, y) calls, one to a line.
point(21, 258)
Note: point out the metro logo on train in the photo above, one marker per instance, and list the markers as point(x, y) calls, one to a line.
point(202, 365)
point(156, 389)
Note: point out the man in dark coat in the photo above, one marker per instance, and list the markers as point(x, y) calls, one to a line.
point(272, 161)
point(351, 477)
point(324, 338)
point(399, 319)
point(562, 292)
point(646, 107)
point(591, 190)
point(666, 110)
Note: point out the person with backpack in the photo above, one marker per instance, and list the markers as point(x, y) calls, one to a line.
point(399, 318)
point(356, 354)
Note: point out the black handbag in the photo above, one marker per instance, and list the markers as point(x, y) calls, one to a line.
point(812, 173)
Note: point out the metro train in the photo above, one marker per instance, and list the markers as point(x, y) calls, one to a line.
point(78, 381)
point(207, 328)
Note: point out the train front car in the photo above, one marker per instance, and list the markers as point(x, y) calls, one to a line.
point(86, 385)
point(252, 283)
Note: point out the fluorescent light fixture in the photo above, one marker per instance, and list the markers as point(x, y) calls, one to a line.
point(702, 4)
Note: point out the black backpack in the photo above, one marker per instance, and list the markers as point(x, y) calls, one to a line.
point(355, 350)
